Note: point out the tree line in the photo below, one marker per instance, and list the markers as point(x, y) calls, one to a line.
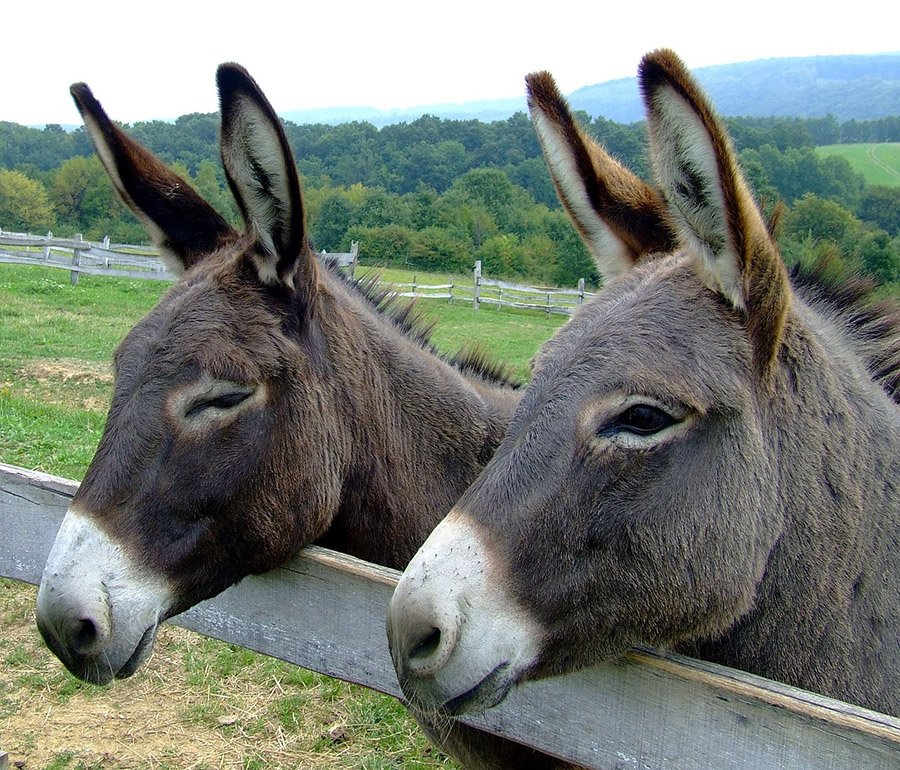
point(437, 194)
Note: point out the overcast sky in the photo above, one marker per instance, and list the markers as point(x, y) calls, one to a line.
point(157, 59)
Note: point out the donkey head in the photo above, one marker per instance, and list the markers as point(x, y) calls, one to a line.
point(632, 500)
point(199, 479)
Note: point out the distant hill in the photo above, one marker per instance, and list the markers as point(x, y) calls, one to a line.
point(864, 87)
point(486, 111)
point(848, 87)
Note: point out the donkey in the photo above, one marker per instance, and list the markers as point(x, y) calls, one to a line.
point(264, 404)
point(707, 457)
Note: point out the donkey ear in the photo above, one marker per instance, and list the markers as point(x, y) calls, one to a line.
point(712, 206)
point(619, 217)
point(260, 168)
point(183, 226)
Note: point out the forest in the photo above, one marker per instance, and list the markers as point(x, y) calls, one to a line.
point(437, 194)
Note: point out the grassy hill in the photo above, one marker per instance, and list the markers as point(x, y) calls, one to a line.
point(878, 163)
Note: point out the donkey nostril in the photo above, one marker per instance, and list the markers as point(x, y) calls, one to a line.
point(430, 644)
point(427, 646)
point(85, 636)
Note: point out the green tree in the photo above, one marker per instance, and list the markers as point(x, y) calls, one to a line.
point(539, 255)
point(24, 204)
point(573, 261)
point(468, 220)
point(501, 255)
point(881, 206)
point(81, 192)
point(335, 216)
point(85, 202)
point(880, 256)
point(437, 249)
point(207, 182)
point(379, 208)
point(821, 220)
point(388, 245)
point(494, 191)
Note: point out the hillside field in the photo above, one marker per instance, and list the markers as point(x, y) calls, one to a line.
point(878, 163)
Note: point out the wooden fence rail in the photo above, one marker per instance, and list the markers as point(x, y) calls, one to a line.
point(126, 261)
point(119, 260)
point(325, 611)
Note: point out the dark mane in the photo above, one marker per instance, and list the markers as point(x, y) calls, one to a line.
point(409, 318)
point(872, 321)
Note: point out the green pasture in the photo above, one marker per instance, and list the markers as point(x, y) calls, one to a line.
point(878, 163)
point(57, 341)
point(222, 706)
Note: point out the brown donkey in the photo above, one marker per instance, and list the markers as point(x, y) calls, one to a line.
point(707, 458)
point(264, 404)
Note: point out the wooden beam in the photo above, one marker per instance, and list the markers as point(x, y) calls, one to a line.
point(325, 611)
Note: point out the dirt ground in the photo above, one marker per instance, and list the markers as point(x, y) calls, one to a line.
point(73, 375)
point(193, 705)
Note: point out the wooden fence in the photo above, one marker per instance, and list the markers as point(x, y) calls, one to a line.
point(126, 261)
point(120, 260)
point(325, 611)
point(489, 291)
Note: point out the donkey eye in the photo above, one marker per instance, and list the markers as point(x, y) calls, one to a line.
point(640, 420)
point(223, 401)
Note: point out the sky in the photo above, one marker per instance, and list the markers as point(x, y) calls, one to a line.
point(157, 60)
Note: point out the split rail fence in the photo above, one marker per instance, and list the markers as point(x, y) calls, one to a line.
point(127, 261)
point(119, 260)
point(325, 611)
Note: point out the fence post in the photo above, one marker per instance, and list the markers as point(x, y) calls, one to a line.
point(477, 298)
point(414, 285)
point(548, 303)
point(76, 260)
point(354, 250)
point(581, 291)
point(47, 247)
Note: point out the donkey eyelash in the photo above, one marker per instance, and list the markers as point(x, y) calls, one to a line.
point(223, 402)
point(634, 422)
point(640, 420)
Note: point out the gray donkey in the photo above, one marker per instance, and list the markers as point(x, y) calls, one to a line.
point(264, 404)
point(706, 459)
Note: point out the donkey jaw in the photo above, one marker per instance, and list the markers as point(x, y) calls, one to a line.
point(97, 609)
point(459, 643)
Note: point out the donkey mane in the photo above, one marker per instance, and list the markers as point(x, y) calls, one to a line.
point(409, 318)
point(872, 323)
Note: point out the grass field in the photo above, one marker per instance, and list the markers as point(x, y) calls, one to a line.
point(878, 163)
point(199, 703)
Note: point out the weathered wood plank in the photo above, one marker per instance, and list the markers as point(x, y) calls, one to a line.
point(325, 611)
point(112, 272)
point(23, 239)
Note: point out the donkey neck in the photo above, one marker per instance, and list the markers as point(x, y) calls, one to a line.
point(834, 433)
point(420, 432)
